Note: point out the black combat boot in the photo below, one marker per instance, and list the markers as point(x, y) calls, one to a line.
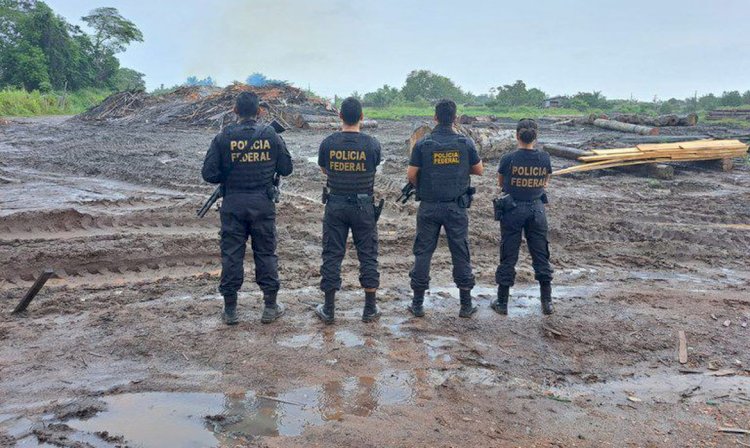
point(371, 312)
point(545, 289)
point(273, 309)
point(501, 304)
point(467, 307)
point(325, 311)
point(416, 308)
point(229, 316)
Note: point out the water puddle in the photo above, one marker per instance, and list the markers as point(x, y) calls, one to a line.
point(158, 419)
point(327, 337)
point(437, 346)
point(524, 300)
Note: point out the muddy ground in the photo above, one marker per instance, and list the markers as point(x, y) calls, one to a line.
point(125, 348)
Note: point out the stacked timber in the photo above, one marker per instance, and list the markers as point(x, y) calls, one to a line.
point(699, 150)
point(736, 114)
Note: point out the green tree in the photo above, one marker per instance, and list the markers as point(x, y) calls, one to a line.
point(128, 79)
point(26, 67)
point(516, 94)
point(746, 97)
point(731, 99)
point(709, 102)
point(594, 99)
point(112, 34)
point(425, 85)
point(383, 97)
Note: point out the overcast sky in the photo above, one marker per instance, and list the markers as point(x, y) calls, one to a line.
point(622, 48)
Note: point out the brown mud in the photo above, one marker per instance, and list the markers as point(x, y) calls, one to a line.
point(125, 347)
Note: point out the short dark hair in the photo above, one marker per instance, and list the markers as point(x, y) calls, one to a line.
point(445, 112)
point(527, 130)
point(247, 104)
point(351, 111)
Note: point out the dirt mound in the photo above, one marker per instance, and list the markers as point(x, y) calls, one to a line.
point(204, 106)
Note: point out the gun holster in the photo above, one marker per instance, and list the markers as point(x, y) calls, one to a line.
point(324, 196)
point(465, 200)
point(544, 198)
point(503, 205)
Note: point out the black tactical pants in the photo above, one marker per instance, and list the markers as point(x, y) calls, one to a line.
point(430, 218)
point(343, 213)
point(530, 219)
point(248, 215)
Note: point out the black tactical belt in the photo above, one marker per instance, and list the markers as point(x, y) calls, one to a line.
point(258, 189)
point(332, 197)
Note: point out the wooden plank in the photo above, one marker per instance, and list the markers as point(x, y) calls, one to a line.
point(683, 348)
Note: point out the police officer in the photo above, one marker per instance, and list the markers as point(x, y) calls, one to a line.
point(244, 158)
point(523, 175)
point(349, 159)
point(440, 168)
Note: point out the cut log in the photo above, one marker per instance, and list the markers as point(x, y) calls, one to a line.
point(565, 152)
point(725, 165)
point(416, 135)
point(491, 143)
point(662, 120)
point(625, 127)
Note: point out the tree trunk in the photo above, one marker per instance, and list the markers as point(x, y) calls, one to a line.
point(625, 127)
point(565, 152)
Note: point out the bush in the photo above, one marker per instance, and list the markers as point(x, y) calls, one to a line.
point(20, 103)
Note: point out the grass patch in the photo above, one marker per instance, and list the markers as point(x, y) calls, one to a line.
point(20, 103)
point(398, 112)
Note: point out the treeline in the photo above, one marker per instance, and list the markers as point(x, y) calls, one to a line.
point(41, 51)
point(423, 88)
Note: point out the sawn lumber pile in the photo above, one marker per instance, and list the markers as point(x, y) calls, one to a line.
point(659, 153)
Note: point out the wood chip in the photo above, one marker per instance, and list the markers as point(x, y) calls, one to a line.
point(634, 399)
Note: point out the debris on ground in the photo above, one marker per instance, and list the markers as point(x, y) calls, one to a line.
point(208, 106)
point(700, 150)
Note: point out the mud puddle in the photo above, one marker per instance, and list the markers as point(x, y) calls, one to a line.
point(524, 300)
point(325, 338)
point(54, 191)
point(667, 388)
point(158, 419)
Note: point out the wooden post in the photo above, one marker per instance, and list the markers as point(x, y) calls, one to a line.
point(683, 356)
point(35, 288)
